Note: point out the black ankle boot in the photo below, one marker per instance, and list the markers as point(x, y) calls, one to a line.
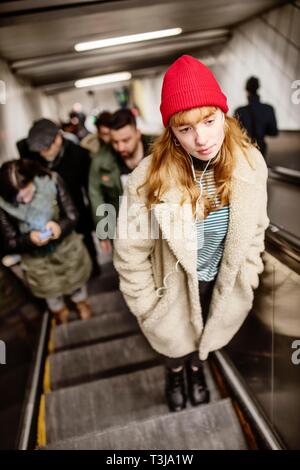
point(175, 390)
point(197, 388)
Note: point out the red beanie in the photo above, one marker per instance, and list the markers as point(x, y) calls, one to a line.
point(187, 84)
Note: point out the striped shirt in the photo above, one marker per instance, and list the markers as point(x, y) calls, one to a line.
point(211, 233)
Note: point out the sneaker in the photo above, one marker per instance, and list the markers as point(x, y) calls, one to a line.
point(84, 310)
point(175, 390)
point(197, 388)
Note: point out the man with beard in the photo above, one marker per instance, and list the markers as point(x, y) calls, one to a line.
point(112, 164)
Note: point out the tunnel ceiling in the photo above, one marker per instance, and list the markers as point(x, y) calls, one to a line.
point(37, 37)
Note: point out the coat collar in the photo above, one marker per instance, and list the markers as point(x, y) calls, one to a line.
point(178, 229)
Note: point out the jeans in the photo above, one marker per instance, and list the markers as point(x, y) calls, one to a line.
point(205, 294)
point(56, 304)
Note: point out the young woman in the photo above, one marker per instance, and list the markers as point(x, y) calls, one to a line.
point(37, 220)
point(190, 282)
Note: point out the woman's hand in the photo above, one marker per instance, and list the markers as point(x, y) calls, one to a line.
point(106, 246)
point(35, 238)
point(55, 228)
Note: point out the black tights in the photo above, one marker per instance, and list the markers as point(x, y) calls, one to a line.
point(175, 362)
point(205, 294)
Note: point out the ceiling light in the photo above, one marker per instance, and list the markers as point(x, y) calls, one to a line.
point(87, 46)
point(103, 79)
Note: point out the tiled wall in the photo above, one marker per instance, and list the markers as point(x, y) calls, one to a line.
point(146, 95)
point(18, 108)
point(269, 48)
point(102, 99)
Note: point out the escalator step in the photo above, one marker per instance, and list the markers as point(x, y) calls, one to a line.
point(107, 302)
point(104, 403)
point(114, 401)
point(99, 327)
point(99, 360)
point(214, 426)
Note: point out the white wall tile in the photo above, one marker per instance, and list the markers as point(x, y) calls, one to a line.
point(262, 50)
point(280, 51)
point(23, 105)
point(285, 19)
point(290, 61)
point(267, 38)
point(294, 33)
point(273, 17)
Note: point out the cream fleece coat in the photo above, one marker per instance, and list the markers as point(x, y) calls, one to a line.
point(172, 322)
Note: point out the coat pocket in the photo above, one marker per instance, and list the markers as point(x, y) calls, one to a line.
point(154, 314)
point(169, 330)
point(250, 271)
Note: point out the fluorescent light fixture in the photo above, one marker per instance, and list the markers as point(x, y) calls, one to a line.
point(103, 79)
point(87, 46)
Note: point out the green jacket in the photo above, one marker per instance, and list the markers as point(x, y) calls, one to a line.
point(104, 179)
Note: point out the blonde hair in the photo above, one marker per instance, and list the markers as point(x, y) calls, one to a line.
point(171, 165)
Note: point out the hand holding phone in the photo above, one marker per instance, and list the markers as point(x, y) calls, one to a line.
point(45, 234)
point(55, 229)
point(40, 238)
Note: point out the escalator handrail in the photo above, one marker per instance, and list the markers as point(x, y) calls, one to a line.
point(286, 243)
point(282, 235)
point(32, 399)
point(248, 401)
point(288, 175)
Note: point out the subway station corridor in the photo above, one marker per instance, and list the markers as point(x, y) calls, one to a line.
point(81, 361)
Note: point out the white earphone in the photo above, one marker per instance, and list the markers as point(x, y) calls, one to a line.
point(160, 290)
point(199, 182)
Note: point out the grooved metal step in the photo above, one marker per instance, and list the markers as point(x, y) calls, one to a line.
point(108, 390)
point(208, 427)
point(109, 402)
point(98, 328)
point(104, 403)
point(99, 360)
point(107, 302)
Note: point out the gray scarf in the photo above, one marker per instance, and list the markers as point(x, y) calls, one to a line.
point(42, 208)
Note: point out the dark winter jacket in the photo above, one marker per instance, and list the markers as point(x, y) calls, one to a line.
point(259, 120)
point(105, 176)
point(73, 165)
point(16, 242)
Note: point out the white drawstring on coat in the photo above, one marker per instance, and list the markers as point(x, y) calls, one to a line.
point(159, 291)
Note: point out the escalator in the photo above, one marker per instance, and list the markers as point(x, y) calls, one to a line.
point(265, 349)
point(104, 389)
point(99, 385)
point(103, 385)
